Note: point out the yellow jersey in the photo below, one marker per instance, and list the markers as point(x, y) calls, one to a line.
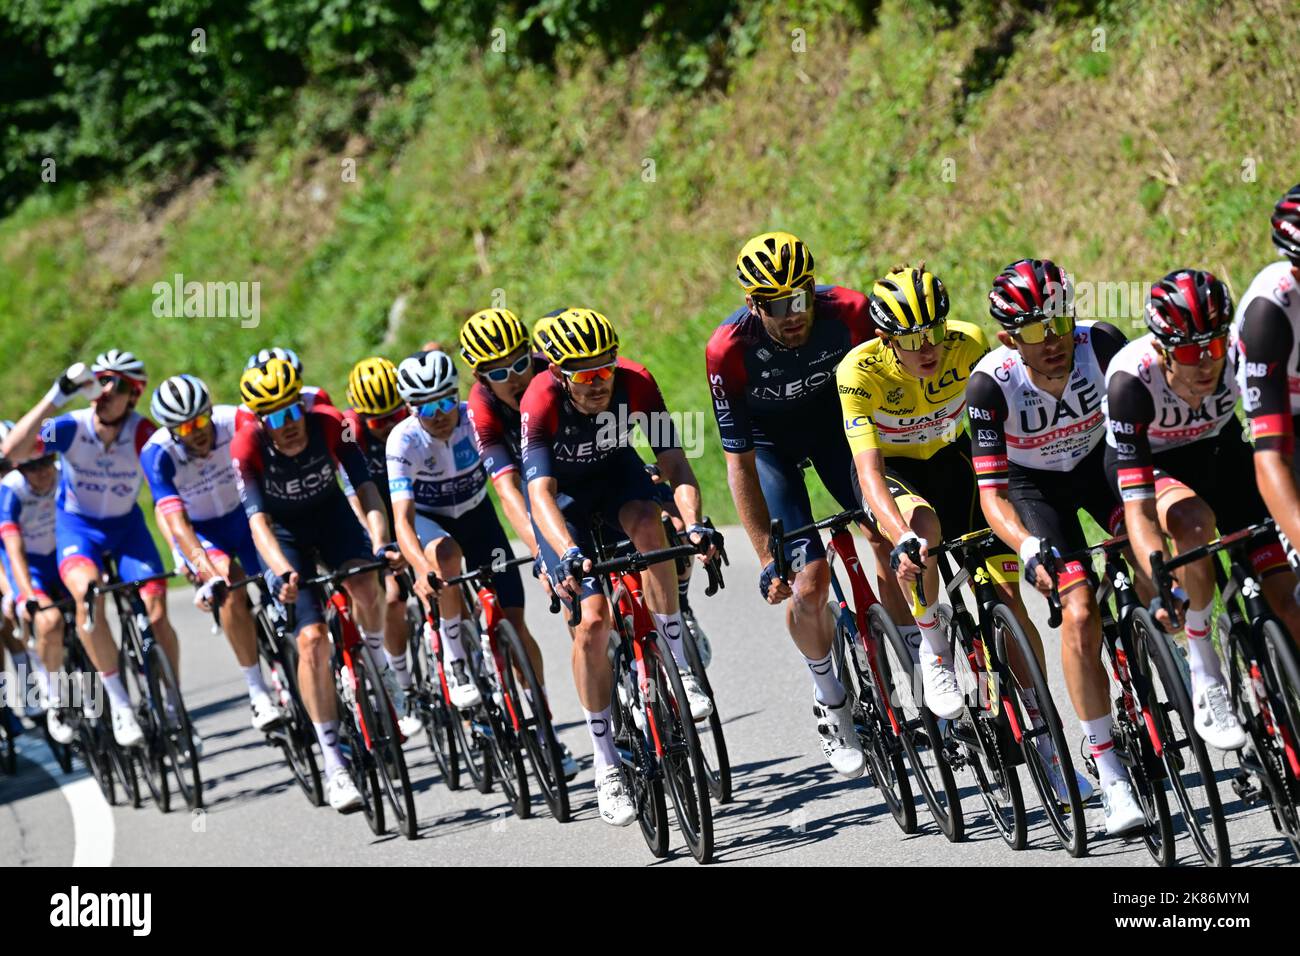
point(886, 407)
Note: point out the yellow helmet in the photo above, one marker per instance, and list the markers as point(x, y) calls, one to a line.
point(908, 299)
point(774, 264)
point(372, 386)
point(272, 385)
point(490, 335)
point(575, 334)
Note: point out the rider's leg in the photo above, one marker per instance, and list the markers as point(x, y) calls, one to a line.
point(445, 555)
point(641, 522)
point(316, 685)
point(78, 575)
point(237, 621)
point(593, 677)
point(395, 632)
point(1189, 522)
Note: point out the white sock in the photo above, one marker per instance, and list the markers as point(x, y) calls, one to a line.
point(327, 735)
point(20, 671)
point(826, 685)
point(1202, 656)
point(452, 648)
point(37, 667)
point(671, 627)
point(933, 638)
point(116, 689)
point(1102, 748)
point(253, 678)
point(911, 634)
point(398, 663)
point(56, 691)
point(600, 725)
point(374, 640)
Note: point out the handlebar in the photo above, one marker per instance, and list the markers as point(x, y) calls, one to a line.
point(98, 587)
point(777, 536)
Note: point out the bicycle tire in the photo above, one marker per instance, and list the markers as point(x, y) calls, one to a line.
point(683, 760)
point(1069, 822)
point(297, 737)
point(922, 740)
point(535, 728)
point(8, 749)
point(360, 763)
point(177, 733)
point(474, 750)
point(713, 745)
point(1285, 660)
point(120, 762)
point(435, 712)
point(1174, 719)
point(148, 756)
point(640, 769)
point(506, 748)
point(386, 746)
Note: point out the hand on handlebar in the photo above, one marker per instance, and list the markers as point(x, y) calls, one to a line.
point(392, 554)
point(908, 558)
point(707, 540)
point(573, 566)
point(285, 588)
point(1032, 552)
point(426, 587)
point(1170, 618)
point(773, 589)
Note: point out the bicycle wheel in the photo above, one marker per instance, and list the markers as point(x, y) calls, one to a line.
point(883, 751)
point(984, 744)
point(386, 746)
point(683, 762)
point(149, 755)
point(641, 772)
point(120, 762)
point(297, 737)
point(713, 745)
point(8, 750)
point(471, 726)
point(435, 713)
point(921, 739)
point(531, 716)
point(174, 722)
point(1066, 818)
point(1284, 739)
point(1191, 775)
point(361, 763)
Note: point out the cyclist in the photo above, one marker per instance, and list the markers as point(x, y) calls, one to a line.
point(287, 462)
point(187, 464)
point(375, 412)
point(311, 394)
point(903, 396)
point(771, 367)
point(1176, 456)
point(1037, 432)
point(581, 467)
point(97, 512)
point(1267, 337)
point(27, 501)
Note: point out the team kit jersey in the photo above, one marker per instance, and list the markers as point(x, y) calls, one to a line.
point(1266, 340)
point(889, 409)
point(204, 487)
point(26, 514)
point(444, 478)
point(95, 480)
point(372, 449)
point(497, 427)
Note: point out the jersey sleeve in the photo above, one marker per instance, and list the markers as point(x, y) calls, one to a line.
point(401, 469)
point(160, 471)
point(987, 408)
point(1106, 341)
point(11, 508)
point(58, 434)
point(854, 311)
point(144, 430)
point(644, 396)
point(1129, 413)
point(323, 396)
point(353, 432)
point(724, 359)
point(539, 419)
point(343, 445)
point(1265, 341)
point(246, 459)
point(857, 406)
point(489, 433)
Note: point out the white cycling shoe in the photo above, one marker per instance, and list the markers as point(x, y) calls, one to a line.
point(698, 701)
point(1215, 722)
point(61, 731)
point(264, 712)
point(341, 791)
point(461, 688)
point(408, 721)
point(615, 802)
point(1119, 805)
point(939, 684)
point(1056, 774)
point(839, 738)
point(126, 729)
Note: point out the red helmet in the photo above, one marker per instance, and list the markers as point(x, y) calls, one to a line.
point(1188, 306)
point(1029, 289)
point(1286, 224)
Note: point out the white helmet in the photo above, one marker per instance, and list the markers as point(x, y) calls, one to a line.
point(120, 362)
point(284, 355)
point(425, 376)
point(179, 399)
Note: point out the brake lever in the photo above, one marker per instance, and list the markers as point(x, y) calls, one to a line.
point(1048, 562)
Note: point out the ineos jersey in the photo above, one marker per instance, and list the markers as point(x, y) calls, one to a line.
point(374, 451)
point(1266, 338)
point(764, 393)
point(204, 488)
point(24, 512)
point(289, 486)
point(444, 478)
point(1012, 421)
point(1144, 416)
point(97, 481)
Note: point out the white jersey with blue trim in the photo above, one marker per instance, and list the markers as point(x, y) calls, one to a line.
point(442, 477)
point(23, 511)
point(97, 480)
point(205, 487)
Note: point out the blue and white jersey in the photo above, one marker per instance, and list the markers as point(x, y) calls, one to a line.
point(205, 488)
point(97, 481)
point(442, 477)
point(23, 511)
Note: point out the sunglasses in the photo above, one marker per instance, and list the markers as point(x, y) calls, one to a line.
point(1035, 332)
point(119, 384)
point(779, 308)
point(283, 416)
point(197, 423)
point(380, 422)
point(586, 376)
point(915, 341)
point(439, 406)
point(518, 367)
point(1193, 353)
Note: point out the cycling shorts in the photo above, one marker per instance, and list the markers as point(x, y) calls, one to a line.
point(329, 534)
point(43, 569)
point(79, 539)
point(230, 536)
point(482, 541)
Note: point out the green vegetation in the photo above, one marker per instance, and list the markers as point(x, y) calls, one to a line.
point(586, 166)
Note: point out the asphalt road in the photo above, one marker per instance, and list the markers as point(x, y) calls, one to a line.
point(789, 807)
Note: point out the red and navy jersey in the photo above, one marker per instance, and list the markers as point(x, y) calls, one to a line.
point(765, 393)
point(372, 449)
point(563, 443)
point(284, 485)
point(497, 430)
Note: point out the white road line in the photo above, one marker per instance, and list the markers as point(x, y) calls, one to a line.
point(92, 818)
